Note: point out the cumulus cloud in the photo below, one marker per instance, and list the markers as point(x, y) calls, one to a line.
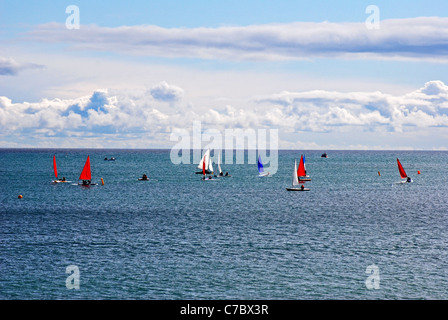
point(129, 116)
point(424, 38)
point(10, 67)
point(165, 92)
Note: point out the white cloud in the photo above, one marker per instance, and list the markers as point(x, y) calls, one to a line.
point(165, 92)
point(111, 115)
point(424, 38)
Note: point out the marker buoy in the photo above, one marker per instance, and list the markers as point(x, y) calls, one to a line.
point(418, 171)
point(379, 173)
point(102, 181)
point(20, 196)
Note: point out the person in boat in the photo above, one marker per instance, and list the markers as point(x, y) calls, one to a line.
point(302, 187)
point(227, 174)
point(221, 174)
point(408, 179)
point(144, 177)
point(63, 179)
point(105, 158)
point(86, 182)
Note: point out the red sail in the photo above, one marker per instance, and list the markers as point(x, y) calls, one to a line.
point(85, 174)
point(55, 167)
point(301, 171)
point(403, 174)
point(203, 165)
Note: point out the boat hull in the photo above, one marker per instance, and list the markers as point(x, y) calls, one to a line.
point(298, 189)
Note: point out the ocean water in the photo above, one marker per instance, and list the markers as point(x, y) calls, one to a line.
point(242, 237)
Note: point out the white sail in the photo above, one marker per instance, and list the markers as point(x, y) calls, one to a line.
point(210, 165)
point(295, 179)
point(219, 162)
point(205, 156)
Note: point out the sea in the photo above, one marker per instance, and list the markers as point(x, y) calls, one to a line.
point(358, 234)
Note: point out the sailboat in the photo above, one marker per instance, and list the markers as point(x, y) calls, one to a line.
point(295, 181)
point(207, 161)
point(261, 172)
point(56, 172)
point(301, 172)
point(86, 175)
point(403, 174)
point(221, 174)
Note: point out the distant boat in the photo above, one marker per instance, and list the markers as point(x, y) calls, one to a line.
point(110, 159)
point(403, 174)
point(86, 175)
point(56, 172)
point(205, 164)
point(324, 155)
point(144, 178)
point(261, 172)
point(295, 181)
point(301, 172)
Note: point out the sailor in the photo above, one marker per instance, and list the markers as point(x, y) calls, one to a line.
point(227, 174)
point(63, 178)
point(302, 187)
point(408, 179)
point(145, 177)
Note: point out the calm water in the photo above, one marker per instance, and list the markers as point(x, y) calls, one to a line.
point(244, 237)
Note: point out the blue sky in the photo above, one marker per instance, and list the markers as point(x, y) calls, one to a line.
point(312, 70)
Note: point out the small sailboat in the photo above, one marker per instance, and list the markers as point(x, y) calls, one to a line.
point(221, 174)
point(403, 174)
point(56, 172)
point(295, 181)
point(206, 159)
point(86, 175)
point(301, 172)
point(261, 172)
point(206, 165)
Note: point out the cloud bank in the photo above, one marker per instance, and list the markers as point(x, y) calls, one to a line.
point(131, 117)
point(414, 38)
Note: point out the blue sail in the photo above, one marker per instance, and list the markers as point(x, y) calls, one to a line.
point(260, 165)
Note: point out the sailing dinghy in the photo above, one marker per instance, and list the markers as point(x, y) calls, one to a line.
point(56, 172)
point(221, 174)
point(261, 172)
point(403, 174)
point(206, 162)
point(295, 181)
point(86, 175)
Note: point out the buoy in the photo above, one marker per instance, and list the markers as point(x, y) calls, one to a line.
point(379, 173)
point(102, 181)
point(20, 196)
point(418, 171)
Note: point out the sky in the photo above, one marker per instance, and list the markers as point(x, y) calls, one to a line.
point(364, 75)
